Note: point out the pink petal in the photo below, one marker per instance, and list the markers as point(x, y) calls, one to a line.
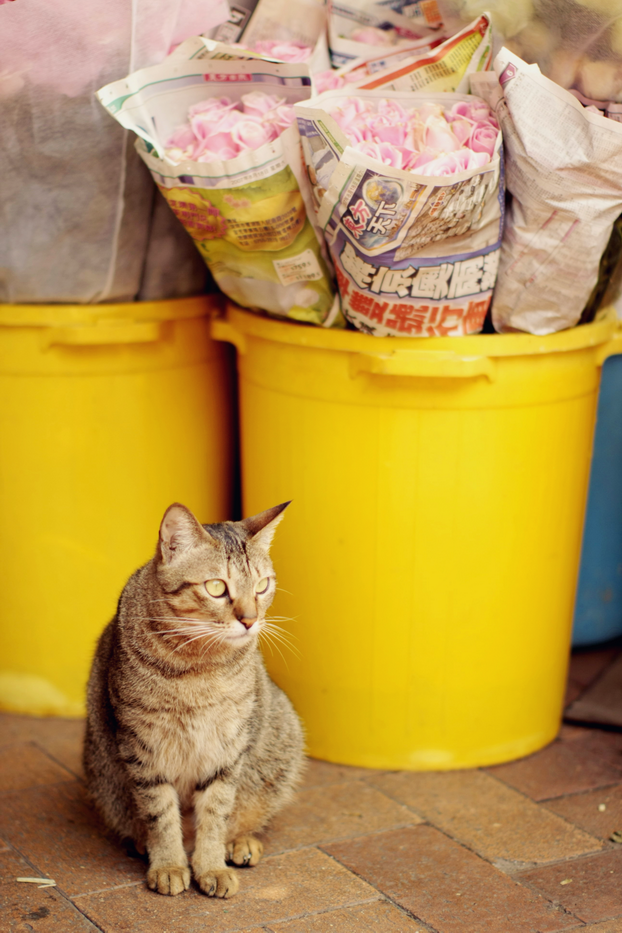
point(483, 139)
point(462, 129)
point(438, 136)
point(248, 134)
point(259, 103)
point(372, 36)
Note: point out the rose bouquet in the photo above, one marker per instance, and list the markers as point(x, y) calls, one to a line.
point(409, 194)
point(219, 128)
point(424, 139)
point(233, 173)
point(358, 28)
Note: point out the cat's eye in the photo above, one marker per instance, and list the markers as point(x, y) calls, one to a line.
point(216, 587)
point(262, 586)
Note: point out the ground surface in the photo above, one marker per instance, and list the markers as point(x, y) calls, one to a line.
point(519, 848)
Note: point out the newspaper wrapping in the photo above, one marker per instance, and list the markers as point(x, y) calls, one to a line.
point(301, 21)
point(247, 215)
point(447, 67)
point(397, 21)
point(564, 172)
point(414, 255)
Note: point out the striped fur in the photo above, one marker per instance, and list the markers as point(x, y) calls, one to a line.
point(182, 716)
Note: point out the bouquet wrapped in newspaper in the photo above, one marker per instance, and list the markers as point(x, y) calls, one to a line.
point(286, 30)
point(564, 172)
point(439, 66)
point(409, 189)
point(576, 43)
point(362, 28)
point(220, 139)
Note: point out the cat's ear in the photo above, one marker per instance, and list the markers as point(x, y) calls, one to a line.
point(261, 527)
point(179, 531)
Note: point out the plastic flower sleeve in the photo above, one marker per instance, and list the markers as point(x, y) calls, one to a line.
point(414, 254)
point(76, 201)
point(247, 214)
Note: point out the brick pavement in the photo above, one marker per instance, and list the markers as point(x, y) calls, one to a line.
point(522, 847)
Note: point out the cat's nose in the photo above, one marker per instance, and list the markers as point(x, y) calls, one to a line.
point(246, 621)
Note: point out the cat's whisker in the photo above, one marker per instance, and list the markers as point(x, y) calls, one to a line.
point(284, 635)
point(189, 641)
point(274, 640)
point(267, 635)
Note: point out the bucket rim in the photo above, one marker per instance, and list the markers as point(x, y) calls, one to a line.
point(252, 324)
point(55, 315)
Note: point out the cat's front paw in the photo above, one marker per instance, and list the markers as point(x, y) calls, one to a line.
point(245, 850)
point(218, 883)
point(168, 879)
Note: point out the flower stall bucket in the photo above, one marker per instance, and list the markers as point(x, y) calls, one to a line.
point(598, 609)
point(428, 561)
point(108, 414)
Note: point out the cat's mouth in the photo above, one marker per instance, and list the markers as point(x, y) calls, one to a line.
point(240, 633)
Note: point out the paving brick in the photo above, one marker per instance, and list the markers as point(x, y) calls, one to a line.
point(590, 888)
point(55, 829)
point(61, 738)
point(279, 888)
point(23, 765)
point(335, 811)
point(573, 692)
point(602, 700)
point(608, 926)
point(445, 885)
point(561, 768)
point(584, 810)
point(380, 917)
point(325, 772)
point(586, 665)
point(26, 907)
point(487, 816)
point(593, 741)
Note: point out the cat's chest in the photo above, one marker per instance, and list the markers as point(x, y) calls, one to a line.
point(198, 738)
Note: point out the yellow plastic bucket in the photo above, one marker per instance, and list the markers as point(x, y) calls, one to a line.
point(108, 414)
point(429, 558)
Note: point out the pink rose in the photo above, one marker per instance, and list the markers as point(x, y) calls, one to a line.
point(392, 110)
point(438, 135)
point(259, 103)
point(250, 134)
point(483, 138)
point(389, 131)
point(281, 117)
point(285, 51)
point(213, 103)
point(182, 138)
point(420, 159)
point(372, 36)
point(478, 159)
point(327, 81)
point(462, 129)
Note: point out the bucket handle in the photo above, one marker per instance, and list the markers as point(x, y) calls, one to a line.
point(613, 347)
point(427, 363)
point(221, 329)
point(103, 334)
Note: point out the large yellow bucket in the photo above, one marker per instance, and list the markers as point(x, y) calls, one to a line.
point(429, 558)
point(108, 414)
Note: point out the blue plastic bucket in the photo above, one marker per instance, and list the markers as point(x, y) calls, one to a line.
point(598, 609)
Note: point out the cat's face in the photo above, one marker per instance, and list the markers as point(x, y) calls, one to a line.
point(216, 581)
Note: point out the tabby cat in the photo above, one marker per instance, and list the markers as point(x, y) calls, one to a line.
point(182, 716)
